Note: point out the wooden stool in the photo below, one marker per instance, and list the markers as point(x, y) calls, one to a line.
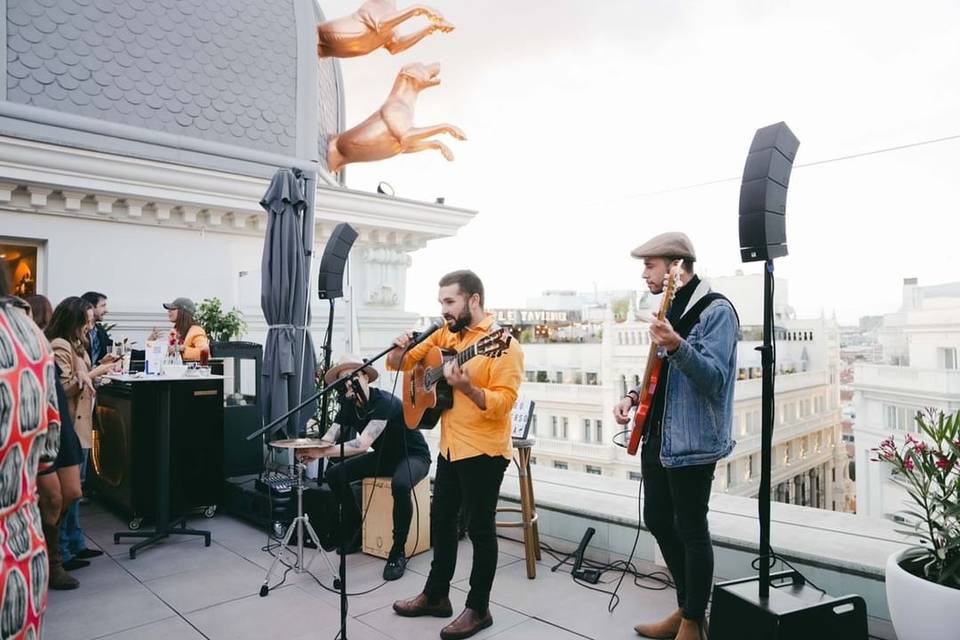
point(528, 507)
point(378, 520)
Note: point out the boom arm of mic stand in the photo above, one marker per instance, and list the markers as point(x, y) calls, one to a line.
point(272, 426)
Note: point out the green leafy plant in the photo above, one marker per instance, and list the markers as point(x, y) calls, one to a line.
point(929, 470)
point(219, 325)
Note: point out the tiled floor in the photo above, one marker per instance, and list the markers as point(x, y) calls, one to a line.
point(182, 590)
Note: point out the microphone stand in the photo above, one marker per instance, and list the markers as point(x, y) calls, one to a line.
point(341, 582)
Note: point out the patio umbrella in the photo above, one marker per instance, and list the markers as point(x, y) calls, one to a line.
point(288, 357)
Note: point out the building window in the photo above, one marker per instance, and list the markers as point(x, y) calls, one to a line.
point(594, 471)
point(586, 430)
point(533, 424)
point(591, 378)
point(21, 258)
point(897, 418)
point(947, 357)
point(819, 442)
point(634, 475)
point(623, 386)
point(619, 337)
point(564, 431)
point(750, 467)
point(636, 380)
point(558, 377)
point(542, 376)
point(557, 464)
point(730, 473)
point(599, 426)
point(533, 459)
point(553, 426)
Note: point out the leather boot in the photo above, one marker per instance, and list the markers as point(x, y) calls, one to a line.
point(467, 624)
point(421, 606)
point(60, 580)
point(692, 630)
point(665, 629)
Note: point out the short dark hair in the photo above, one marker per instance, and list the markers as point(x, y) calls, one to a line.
point(40, 309)
point(686, 263)
point(469, 282)
point(94, 297)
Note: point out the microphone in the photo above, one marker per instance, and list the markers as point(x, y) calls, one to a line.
point(419, 337)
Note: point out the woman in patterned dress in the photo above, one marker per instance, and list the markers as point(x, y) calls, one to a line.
point(29, 438)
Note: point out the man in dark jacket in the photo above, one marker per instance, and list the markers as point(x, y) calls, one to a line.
point(98, 337)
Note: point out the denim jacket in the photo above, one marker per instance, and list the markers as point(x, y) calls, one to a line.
point(698, 418)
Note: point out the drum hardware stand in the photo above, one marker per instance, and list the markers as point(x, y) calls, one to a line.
point(301, 522)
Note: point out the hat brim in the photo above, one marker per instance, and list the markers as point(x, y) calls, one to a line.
point(340, 369)
point(169, 306)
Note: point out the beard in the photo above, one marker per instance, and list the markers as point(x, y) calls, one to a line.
point(461, 322)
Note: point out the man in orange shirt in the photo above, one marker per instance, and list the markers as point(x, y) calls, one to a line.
point(475, 450)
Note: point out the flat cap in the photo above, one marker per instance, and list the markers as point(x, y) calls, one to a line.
point(671, 244)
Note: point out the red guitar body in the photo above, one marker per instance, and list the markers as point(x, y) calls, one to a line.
point(643, 409)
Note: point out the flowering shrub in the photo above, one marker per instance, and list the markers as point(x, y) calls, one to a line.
point(929, 470)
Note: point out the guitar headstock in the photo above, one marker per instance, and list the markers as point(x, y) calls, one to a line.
point(495, 344)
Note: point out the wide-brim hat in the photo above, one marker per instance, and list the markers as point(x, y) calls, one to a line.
point(347, 363)
point(672, 244)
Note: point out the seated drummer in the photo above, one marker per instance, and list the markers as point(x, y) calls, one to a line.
point(377, 418)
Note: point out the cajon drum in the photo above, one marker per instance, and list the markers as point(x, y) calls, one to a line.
point(378, 524)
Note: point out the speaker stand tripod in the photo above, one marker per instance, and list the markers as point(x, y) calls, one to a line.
point(301, 522)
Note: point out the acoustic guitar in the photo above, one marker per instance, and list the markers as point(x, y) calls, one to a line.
point(426, 393)
point(651, 377)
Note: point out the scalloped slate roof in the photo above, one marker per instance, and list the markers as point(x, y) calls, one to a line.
point(218, 70)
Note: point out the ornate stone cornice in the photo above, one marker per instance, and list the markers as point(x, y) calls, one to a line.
point(43, 178)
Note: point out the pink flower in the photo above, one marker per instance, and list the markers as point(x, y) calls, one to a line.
point(911, 440)
point(908, 463)
point(943, 463)
point(921, 447)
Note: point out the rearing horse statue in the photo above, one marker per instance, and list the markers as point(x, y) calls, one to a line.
point(390, 131)
point(372, 26)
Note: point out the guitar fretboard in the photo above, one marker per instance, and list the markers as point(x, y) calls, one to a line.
point(434, 375)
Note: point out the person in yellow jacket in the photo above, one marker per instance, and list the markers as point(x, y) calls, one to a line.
point(191, 338)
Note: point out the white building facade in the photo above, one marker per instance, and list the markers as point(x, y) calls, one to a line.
point(575, 428)
point(920, 346)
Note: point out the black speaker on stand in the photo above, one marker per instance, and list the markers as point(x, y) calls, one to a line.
point(330, 287)
point(747, 609)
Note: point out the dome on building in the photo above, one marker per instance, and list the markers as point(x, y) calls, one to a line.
point(222, 84)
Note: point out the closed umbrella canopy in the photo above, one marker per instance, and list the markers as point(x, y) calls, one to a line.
point(289, 363)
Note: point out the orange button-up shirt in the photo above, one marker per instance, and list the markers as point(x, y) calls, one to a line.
point(466, 430)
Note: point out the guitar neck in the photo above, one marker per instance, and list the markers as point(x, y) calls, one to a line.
point(434, 375)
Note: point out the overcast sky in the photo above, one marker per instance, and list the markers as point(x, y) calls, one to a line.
point(583, 118)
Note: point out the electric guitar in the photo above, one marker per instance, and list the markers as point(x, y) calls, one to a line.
point(426, 393)
point(651, 377)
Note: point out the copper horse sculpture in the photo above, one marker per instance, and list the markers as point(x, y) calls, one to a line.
point(372, 26)
point(390, 131)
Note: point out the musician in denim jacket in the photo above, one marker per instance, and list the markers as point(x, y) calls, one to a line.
point(688, 427)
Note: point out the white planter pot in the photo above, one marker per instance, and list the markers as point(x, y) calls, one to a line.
point(920, 609)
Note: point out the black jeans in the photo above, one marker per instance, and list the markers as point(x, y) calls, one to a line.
point(368, 465)
point(475, 483)
point(675, 504)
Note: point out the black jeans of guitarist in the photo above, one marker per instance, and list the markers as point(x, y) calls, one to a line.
point(675, 504)
point(475, 483)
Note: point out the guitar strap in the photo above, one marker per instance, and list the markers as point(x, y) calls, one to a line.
point(692, 316)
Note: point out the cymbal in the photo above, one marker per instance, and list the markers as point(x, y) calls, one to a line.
point(301, 443)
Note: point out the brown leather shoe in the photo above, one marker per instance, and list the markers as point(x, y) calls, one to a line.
point(665, 629)
point(60, 580)
point(691, 630)
point(421, 606)
point(467, 624)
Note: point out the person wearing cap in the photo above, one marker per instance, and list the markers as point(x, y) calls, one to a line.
point(688, 429)
point(373, 418)
point(191, 338)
